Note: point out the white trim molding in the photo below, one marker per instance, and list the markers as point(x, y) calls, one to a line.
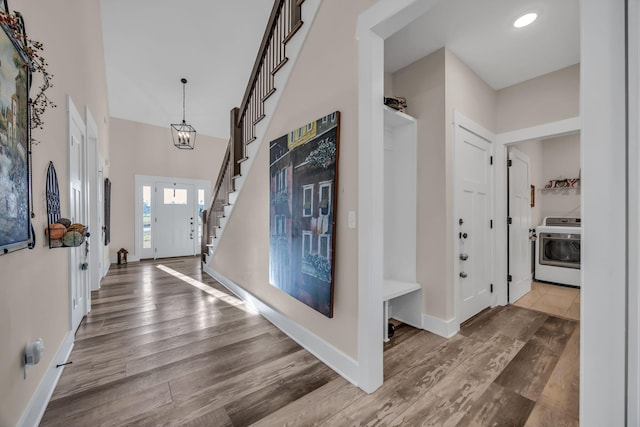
point(444, 328)
point(543, 131)
point(344, 365)
point(374, 25)
point(503, 140)
point(38, 404)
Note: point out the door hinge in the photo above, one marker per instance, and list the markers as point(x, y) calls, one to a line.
point(509, 220)
point(509, 163)
point(491, 287)
point(490, 223)
point(490, 160)
point(509, 278)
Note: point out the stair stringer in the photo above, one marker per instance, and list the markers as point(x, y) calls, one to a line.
point(293, 48)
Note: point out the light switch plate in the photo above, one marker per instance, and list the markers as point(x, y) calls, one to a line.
point(351, 219)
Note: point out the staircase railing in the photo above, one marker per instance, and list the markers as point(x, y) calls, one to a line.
point(284, 22)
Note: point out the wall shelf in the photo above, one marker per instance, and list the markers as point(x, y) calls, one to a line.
point(402, 294)
point(561, 190)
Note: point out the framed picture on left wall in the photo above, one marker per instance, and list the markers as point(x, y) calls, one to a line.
point(303, 194)
point(15, 184)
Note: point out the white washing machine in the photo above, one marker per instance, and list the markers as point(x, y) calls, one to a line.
point(558, 251)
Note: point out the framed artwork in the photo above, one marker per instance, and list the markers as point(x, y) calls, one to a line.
point(107, 211)
point(15, 182)
point(303, 194)
point(533, 196)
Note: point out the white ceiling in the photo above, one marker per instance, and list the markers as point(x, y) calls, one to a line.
point(481, 34)
point(151, 44)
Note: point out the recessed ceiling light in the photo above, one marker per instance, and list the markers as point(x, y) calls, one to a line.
point(525, 20)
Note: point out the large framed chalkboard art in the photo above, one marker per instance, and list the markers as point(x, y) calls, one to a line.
point(303, 182)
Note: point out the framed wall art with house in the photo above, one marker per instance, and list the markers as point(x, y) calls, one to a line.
point(303, 182)
point(15, 183)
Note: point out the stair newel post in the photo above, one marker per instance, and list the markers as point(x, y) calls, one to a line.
point(237, 146)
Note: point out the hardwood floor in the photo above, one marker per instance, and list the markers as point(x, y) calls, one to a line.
point(167, 345)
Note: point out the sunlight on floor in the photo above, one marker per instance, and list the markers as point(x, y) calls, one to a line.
point(208, 289)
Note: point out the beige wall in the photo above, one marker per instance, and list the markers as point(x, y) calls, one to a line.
point(554, 96)
point(317, 86)
point(141, 149)
point(34, 284)
point(435, 87)
point(468, 94)
point(423, 84)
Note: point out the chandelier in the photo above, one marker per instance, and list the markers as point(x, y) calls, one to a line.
point(184, 135)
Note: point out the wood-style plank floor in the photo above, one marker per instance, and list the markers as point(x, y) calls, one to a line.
point(165, 344)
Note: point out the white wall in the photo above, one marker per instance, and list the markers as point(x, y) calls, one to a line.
point(560, 159)
point(553, 158)
point(34, 284)
point(545, 99)
point(604, 233)
point(141, 149)
point(243, 251)
point(423, 84)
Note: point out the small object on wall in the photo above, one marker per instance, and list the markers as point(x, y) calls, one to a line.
point(533, 196)
point(53, 208)
point(397, 103)
point(64, 221)
point(122, 256)
point(55, 231)
point(563, 183)
point(60, 231)
point(107, 212)
point(33, 354)
point(72, 238)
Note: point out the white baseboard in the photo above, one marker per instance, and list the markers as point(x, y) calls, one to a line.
point(327, 353)
point(40, 399)
point(444, 328)
point(105, 270)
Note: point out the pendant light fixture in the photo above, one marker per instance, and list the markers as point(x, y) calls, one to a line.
point(184, 135)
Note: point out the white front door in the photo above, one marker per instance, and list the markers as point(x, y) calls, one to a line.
point(520, 214)
point(473, 237)
point(79, 273)
point(175, 224)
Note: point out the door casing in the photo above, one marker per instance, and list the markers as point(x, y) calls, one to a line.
point(80, 292)
point(151, 181)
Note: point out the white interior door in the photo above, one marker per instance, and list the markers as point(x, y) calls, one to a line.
point(175, 222)
point(473, 201)
point(78, 213)
point(520, 214)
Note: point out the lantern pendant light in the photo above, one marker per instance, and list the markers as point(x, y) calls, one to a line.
point(184, 135)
